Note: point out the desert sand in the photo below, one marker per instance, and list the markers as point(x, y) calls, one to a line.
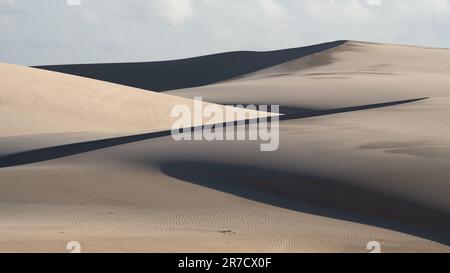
point(35, 101)
point(39, 109)
point(339, 180)
point(354, 73)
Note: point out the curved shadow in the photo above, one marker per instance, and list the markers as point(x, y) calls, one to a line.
point(54, 152)
point(316, 195)
point(186, 73)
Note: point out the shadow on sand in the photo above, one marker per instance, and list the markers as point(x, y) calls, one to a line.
point(55, 152)
point(193, 72)
point(331, 198)
point(316, 195)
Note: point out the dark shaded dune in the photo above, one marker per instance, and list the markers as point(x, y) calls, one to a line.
point(192, 72)
point(59, 151)
point(317, 195)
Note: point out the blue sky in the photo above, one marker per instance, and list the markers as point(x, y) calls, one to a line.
point(54, 32)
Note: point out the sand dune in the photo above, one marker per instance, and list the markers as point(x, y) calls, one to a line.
point(34, 101)
point(354, 73)
point(199, 71)
point(41, 109)
point(349, 169)
point(311, 195)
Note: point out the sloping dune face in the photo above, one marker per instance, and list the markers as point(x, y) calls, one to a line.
point(363, 156)
point(40, 109)
point(192, 72)
point(354, 73)
point(34, 101)
point(336, 183)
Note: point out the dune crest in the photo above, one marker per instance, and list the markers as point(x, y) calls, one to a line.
point(34, 101)
point(355, 73)
point(192, 72)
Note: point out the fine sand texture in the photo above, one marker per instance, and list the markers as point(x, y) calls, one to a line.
point(34, 101)
point(40, 108)
point(354, 73)
point(364, 156)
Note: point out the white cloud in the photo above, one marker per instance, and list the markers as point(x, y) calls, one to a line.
point(7, 3)
point(175, 11)
point(271, 8)
point(348, 10)
point(441, 5)
point(51, 32)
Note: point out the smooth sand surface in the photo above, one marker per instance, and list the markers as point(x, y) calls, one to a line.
point(336, 183)
point(34, 101)
point(39, 109)
point(354, 73)
point(311, 195)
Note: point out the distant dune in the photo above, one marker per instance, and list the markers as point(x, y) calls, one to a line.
point(193, 72)
point(354, 73)
point(364, 156)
